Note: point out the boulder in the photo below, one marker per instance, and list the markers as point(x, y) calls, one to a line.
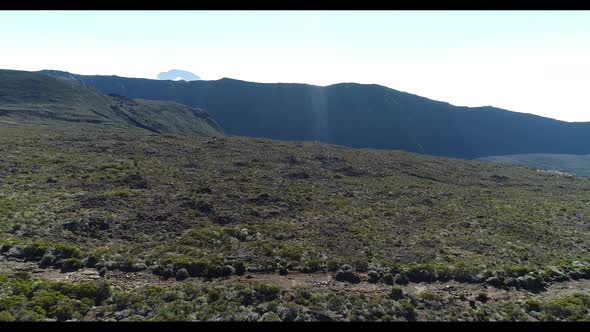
point(533, 283)
point(520, 282)
point(510, 282)
point(555, 274)
point(494, 281)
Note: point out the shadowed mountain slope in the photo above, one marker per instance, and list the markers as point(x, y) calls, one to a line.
point(358, 115)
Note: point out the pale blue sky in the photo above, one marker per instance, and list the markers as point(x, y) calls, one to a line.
point(524, 61)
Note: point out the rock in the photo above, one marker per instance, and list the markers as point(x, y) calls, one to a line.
point(374, 277)
point(322, 317)
point(578, 264)
point(15, 252)
point(347, 273)
point(139, 267)
point(477, 278)
point(494, 281)
point(520, 282)
point(555, 274)
point(530, 282)
point(119, 315)
point(181, 274)
point(510, 282)
point(578, 274)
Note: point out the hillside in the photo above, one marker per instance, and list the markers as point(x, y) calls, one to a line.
point(358, 115)
point(34, 99)
point(233, 228)
point(573, 164)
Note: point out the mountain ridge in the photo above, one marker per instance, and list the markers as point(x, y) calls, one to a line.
point(27, 97)
point(359, 116)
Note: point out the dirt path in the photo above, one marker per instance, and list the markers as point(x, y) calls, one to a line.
point(319, 281)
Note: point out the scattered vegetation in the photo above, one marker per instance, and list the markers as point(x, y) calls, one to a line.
point(208, 210)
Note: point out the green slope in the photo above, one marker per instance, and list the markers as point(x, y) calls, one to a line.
point(475, 240)
point(270, 203)
point(32, 98)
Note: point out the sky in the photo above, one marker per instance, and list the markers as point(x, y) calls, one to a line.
point(525, 61)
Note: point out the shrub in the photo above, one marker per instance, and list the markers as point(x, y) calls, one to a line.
point(11, 302)
point(71, 264)
point(240, 268)
point(23, 275)
point(64, 251)
point(396, 293)
point(47, 299)
point(28, 315)
point(266, 292)
point(573, 307)
point(92, 260)
point(46, 261)
point(312, 265)
point(195, 268)
point(361, 265)
point(518, 271)
point(430, 296)
point(6, 316)
point(97, 291)
point(408, 309)
point(65, 310)
point(212, 295)
point(35, 251)
point(533, 305)
point(270, 317)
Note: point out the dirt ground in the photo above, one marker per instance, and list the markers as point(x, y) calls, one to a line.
point(319, 281)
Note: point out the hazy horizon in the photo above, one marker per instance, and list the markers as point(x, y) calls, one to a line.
point(522, 61)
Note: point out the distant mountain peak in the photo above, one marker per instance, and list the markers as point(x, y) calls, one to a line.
point(178, 75)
